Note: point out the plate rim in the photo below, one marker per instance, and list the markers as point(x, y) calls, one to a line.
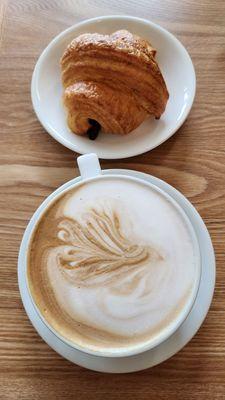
point(131, 150)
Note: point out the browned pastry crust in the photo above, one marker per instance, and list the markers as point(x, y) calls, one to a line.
point(113, 79)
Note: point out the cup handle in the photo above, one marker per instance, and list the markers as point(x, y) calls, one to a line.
point(89, 166)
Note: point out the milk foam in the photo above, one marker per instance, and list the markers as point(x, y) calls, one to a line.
point(124, 262)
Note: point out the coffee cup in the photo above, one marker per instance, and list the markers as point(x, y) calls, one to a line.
point(112, 264)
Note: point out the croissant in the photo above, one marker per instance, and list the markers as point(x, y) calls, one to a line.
point(112, 79)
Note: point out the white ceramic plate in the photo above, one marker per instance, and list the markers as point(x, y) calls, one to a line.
point(173, 344)
point(174, 62)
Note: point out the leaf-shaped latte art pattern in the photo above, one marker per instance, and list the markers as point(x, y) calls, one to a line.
point(96, 247)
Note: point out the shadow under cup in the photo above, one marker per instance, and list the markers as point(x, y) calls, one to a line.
point(86, 288)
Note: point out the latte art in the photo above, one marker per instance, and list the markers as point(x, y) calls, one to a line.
point(111, 264)
point(96, 247)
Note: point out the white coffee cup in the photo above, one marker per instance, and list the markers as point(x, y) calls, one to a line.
point(90, 170)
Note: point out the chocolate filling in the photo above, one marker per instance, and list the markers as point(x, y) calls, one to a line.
point(93, 131)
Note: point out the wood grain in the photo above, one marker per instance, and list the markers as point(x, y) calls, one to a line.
point(32, 165)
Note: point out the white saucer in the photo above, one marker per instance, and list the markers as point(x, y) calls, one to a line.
point(177, 69)
point(172, 345)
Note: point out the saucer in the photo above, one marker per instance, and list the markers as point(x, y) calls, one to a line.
point(173, 60)
point(175, 342)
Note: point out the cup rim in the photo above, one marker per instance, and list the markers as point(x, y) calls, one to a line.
point(166, 332)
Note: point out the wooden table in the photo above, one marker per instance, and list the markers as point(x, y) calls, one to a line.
point(32, 165)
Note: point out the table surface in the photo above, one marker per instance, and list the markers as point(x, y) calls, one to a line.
point(32, 165)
